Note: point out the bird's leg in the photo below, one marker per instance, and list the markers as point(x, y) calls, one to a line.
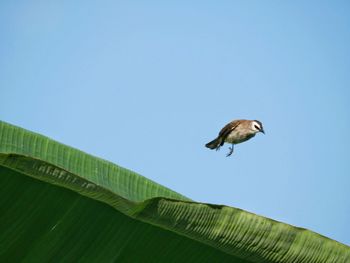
point(231, 150)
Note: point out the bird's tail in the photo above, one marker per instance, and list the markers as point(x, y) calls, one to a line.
point(214, 144)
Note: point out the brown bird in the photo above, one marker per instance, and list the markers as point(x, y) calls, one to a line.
point(235, 132)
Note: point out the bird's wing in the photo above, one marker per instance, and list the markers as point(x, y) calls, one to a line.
point(228, 129)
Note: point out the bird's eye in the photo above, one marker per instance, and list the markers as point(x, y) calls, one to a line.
point(256, 127)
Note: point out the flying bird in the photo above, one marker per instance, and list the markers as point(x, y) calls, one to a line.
point(235, 132)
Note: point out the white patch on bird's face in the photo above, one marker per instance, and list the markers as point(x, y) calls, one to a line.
point(256, 126)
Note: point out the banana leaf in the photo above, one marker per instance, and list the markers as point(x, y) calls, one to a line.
point(58, 204)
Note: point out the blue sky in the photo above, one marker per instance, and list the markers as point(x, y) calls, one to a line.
point(145, 84)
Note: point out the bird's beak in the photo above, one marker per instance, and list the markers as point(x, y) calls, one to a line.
point(262, 131)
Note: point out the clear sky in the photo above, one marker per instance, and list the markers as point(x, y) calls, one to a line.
point(145, 84)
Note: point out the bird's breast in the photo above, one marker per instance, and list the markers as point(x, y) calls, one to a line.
point(237, 136)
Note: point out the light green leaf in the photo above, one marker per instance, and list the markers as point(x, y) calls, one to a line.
point(60, 204)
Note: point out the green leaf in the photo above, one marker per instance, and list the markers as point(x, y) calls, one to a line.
point(60, 204)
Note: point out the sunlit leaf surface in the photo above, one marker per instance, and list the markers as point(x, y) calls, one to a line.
point(59, 204)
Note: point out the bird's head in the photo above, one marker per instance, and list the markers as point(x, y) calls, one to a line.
point(256, 126)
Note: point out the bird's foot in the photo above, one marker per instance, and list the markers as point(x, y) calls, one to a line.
point(230, 152)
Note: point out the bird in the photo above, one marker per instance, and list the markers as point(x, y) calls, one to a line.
point(236, 131)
